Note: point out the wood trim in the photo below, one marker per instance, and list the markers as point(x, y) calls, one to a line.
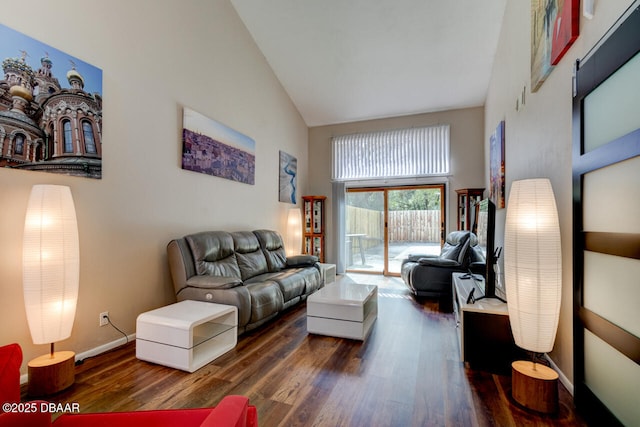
point(611, 54)
point(618, 150)
point(623, 341)
point(621, 244)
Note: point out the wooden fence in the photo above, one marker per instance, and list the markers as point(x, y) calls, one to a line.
point(404, 226)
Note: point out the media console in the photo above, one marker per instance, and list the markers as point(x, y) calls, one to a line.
point(484, 332)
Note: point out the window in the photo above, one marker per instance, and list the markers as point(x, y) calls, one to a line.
point(89, 142)
point(398, 153)
point(19, 141)
point(68, 140)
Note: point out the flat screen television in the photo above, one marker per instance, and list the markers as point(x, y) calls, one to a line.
point(485, 228)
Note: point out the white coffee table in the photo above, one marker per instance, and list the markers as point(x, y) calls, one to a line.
point(186, 335)
point(345, 310)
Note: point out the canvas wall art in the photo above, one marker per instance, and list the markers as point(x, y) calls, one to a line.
point(50, 109)
point(212, 148)
point(496, 166)
point(288, 168)
point(543, 14)
point(554, 28)
point(566, 28)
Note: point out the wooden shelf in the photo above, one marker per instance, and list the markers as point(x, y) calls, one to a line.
point(313, 226)
point(467, 199)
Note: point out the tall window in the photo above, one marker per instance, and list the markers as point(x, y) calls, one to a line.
point(89, 142)
point(51, 149)
point(392, 154)
point(19, 141)
point(68, 140)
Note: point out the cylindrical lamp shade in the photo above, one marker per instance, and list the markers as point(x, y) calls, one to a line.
point(533, 264)
point(50, 263)
point(294, 232)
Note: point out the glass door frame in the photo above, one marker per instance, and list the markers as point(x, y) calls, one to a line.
point(385, 190)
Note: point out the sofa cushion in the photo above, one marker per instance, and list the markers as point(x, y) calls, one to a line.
point(455, 247)
point(250, 257)
point(273, 248)
point(213, 253)
point(291, 284)
point(266, 300)
point(312, 279)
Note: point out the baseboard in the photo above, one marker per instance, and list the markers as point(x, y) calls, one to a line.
point(93, 352)
point(563, 378)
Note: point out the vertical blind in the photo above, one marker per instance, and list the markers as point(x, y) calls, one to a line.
point(392, 154)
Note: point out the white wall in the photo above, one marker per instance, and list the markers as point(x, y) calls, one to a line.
point(538, 136)
point(156, 56)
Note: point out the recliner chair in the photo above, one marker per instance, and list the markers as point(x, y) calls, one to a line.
point(430, 276)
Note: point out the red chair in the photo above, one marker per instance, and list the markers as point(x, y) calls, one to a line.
point(232, 411)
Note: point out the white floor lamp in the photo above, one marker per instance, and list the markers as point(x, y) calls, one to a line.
point(294, 232)
point(533, 276)
point(51, 270)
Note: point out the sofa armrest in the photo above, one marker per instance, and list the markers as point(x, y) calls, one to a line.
point(418, 257)
point(301, 261)
point(213, 282)
point(438, 262)
point(232, 411)
point(10, 361)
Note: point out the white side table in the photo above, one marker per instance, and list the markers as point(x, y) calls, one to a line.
point(186, 335)
point(328, 272)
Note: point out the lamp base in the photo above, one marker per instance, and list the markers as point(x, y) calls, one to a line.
point(534, 386)
point(51, 373)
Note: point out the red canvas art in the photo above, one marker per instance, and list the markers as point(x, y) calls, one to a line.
point(565, 28)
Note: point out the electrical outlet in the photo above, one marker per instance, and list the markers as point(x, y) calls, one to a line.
point(104, 318)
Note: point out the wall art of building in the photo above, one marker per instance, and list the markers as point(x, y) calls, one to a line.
point(49, 119)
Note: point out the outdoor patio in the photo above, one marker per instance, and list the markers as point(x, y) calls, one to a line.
point(371, 259)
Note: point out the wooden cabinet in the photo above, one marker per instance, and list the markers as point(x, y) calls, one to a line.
point(467, 199)
point(484, 331)
point(313, 227)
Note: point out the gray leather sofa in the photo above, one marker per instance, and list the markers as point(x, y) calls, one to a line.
point(248, 269)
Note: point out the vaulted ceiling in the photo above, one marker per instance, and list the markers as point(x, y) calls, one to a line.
point(349, 60)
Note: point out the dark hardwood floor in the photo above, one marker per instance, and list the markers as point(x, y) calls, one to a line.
point(407, 373)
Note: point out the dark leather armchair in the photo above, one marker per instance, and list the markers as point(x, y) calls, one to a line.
point(430, 276)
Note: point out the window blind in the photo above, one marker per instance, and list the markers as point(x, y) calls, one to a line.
point(397, 153)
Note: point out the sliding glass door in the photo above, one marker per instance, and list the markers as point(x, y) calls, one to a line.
point(364, 230)
point(385, 225)
point(415, 223)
